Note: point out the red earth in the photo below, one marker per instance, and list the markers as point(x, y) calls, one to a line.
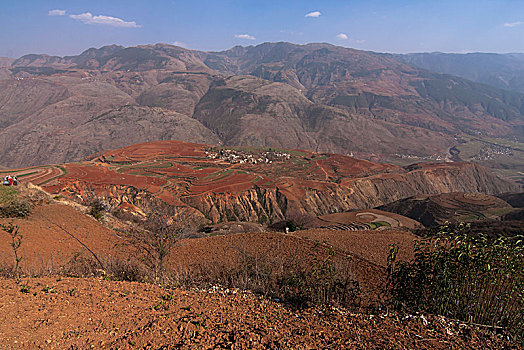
point(73, 313)
point(57, 312)
point(181, 174)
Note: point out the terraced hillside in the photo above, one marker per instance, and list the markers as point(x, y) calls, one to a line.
point(207, 184)
point(58, 239)
point(437, 209)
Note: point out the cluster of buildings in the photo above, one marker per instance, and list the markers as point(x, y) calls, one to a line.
point(244, 157)
point(489, 152)
point(435, 157)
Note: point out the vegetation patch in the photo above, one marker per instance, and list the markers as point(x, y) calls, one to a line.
point(377, 224)
point(468, 277)
point(11, 205)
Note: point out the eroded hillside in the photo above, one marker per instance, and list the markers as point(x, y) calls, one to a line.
point(208, 184)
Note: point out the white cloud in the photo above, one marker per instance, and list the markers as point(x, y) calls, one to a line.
point(179, 43)
point(342, 36)
point(245, 36)
point(57, 12)
point(314, 14)
point(512, 24)
point(88, 18)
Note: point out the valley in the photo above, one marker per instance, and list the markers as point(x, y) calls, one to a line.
point(269, 196)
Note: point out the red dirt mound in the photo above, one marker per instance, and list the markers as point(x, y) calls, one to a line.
point(367, 219)
point(45, 243)
point(223, 253)
point(371, 245)
point(249, 184)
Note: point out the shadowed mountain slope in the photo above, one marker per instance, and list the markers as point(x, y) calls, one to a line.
point(438, 209)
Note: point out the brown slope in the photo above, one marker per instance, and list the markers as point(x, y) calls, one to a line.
point(112, 129)
point(20, 99)
point(372, 245)
point(6, 62)
point(438, 209)
point(46, 247)
point(379, 86)
point(351, 101)
point(78, 116)
point(249, 111)
point(107, 314)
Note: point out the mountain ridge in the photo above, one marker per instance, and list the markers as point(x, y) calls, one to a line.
point(504, 71)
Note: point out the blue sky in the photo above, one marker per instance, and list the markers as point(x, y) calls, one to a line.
point(28, 26)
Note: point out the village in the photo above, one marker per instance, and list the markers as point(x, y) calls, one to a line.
point(491, 151)
point(434, 157)
point(244, 157)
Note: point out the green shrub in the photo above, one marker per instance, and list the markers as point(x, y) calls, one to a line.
point(7, 194)
point(11, 206)
point(97, 208)
point(17, 208)
point(468, 277)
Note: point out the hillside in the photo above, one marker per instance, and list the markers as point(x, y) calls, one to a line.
point(207, 184)
point(206, 302)
point(433, 210)
point(317, 97)
point(377, 86)
point(103, 313)
point(503, 71)
point(106, 315)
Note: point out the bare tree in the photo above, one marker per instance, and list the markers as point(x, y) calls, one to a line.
point(16, 242)
point(155, 238)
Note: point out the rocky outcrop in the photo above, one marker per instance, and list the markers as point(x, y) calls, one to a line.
point(201, 187)
point(266, 205)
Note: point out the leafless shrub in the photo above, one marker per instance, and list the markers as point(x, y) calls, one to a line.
point(154, 239)
point(299, 282)
point(115, 268)
point(16, 241)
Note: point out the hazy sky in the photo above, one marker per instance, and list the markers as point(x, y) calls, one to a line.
point(68, 27)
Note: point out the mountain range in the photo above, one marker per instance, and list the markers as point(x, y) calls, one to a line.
point(318, 97)
point(504, 71)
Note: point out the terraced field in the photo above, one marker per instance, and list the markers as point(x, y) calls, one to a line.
point(433, 210)
point(38, 175)
point(365, 219)
point(214, 189)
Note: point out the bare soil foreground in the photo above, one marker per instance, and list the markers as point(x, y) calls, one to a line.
point(72, 313)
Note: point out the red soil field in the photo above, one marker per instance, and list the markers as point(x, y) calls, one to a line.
point(94, 313)
point(371, 245)
point(180, 173)
point(219, 252)
point(98, 314)
point(173, 170)
point(45, 244)
point(366, 216)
